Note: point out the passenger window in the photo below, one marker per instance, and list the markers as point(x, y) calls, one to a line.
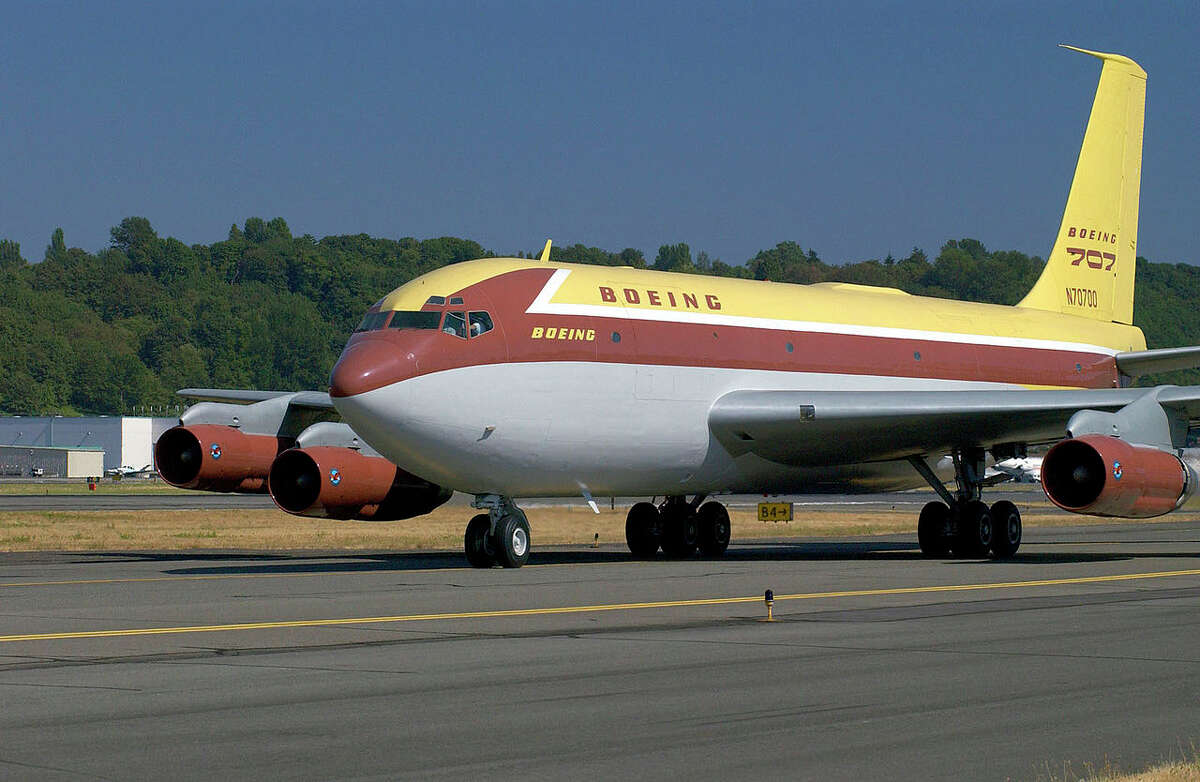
point(481, 323)
point(456, 324)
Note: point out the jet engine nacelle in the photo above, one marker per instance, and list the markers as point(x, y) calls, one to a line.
point(1106, 476)
point(341, 483)
point(214, 457)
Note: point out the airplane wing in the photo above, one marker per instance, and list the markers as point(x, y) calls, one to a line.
point(828, 427)
point(312, 400)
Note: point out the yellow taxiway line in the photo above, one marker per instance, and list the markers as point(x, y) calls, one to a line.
point(582, 609)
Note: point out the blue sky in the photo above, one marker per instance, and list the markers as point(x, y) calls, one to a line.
point(856, 129)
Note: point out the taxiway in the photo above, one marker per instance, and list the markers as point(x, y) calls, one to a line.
point(585, 664)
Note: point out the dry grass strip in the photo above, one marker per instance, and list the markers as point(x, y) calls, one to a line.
point(106, 486)
point(1173, 771)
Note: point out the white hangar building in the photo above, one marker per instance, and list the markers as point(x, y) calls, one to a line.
point(127, 441)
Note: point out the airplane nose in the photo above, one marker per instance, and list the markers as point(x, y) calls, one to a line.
point(366, 365)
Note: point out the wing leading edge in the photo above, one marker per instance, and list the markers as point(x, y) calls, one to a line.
point(809, 428)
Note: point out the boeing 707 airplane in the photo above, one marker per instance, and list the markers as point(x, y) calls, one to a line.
point(506, 378)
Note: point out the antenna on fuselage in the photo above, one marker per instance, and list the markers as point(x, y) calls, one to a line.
point(545, 256)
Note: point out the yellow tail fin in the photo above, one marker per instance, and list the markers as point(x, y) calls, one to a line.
point(1090, 270)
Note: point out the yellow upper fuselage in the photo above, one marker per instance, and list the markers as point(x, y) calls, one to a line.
point(746, 302)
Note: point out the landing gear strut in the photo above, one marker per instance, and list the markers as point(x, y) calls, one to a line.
point(498, 537)
point(679, 527)
point(964, 525)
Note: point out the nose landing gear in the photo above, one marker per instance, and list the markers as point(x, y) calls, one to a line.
point(963, 524)
point(679, 527)
point(498, 537)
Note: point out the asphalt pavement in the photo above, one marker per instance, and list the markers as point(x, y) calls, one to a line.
point(584, 664)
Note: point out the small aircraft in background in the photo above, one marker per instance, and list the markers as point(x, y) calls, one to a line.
point(1018, 470)
point(126, 471)
point(509, 377)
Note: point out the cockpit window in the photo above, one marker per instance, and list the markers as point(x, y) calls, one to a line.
point(436, 301)
point(415, 320)
point(373, 321)
point(456, 324)
point(456, 300)
point(481, 323)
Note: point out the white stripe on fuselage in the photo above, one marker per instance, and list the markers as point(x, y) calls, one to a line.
point(542, 305)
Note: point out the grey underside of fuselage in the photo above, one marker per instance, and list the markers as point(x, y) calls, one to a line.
point(563, 428)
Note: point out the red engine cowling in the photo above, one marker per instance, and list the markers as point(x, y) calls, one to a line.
point(340, 483)
point(212, 457)
point(1106, 476)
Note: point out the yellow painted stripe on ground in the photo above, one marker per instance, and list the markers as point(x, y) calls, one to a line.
point(592, 608)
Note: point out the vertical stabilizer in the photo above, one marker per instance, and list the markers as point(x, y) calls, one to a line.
point(1090, 270)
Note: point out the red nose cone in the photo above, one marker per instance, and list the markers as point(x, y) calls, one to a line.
point(368, 364)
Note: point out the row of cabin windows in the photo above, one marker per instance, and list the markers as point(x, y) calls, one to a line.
point(460, 324)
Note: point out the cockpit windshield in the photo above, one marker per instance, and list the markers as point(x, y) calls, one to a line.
point(373, 321)
point(460, 324)
point(415, 320)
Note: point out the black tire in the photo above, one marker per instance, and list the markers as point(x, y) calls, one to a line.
point(511, 542)
point(974, 530)
point(641, 530)
point(679, 531)
point(478, 542)
point(1006, 529)
point(712, 529)
point(933, 529)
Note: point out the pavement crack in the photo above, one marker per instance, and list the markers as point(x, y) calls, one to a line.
point(39, 767)
point(891, 649)
point(322, 668)
point(70, 686)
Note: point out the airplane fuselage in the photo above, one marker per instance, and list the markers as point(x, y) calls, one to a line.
point(522, 378)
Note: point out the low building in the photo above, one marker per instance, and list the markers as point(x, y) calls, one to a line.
point(125, 441)
point(47, 461)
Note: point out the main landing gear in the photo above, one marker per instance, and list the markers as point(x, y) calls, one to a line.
point(498, 537)
point(964, 525)
point(679, 527)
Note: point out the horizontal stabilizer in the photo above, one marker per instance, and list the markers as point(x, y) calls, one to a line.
point(1147, 362)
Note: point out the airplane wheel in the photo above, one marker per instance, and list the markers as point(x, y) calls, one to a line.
point(678, 532)
point(1006, 529)
point(641, 530)
point(478, 542)
point(713, 529)
point(933, 529)
point(974, 530)
point(512, 540)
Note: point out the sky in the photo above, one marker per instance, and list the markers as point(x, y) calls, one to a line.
point(854, 129)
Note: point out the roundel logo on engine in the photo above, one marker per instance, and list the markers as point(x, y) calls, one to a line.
point(215, 450)
point(1117, 471)
point(335, 476)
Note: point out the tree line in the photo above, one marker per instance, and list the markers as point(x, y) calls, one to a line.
point(121, 329)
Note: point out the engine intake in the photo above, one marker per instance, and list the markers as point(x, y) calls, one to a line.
point(213, 457)
point(341, 483)
point(1106, 476)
